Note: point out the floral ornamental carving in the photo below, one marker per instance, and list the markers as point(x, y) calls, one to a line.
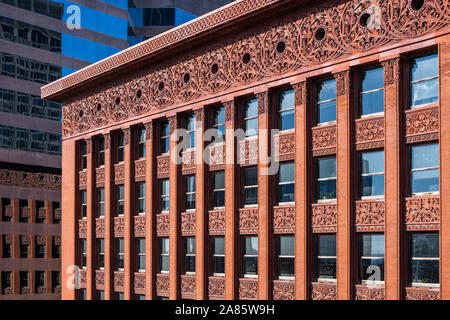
point(248, 220)
point(139, 283)
point(139, 168)
point(422, 125)
point(248, 151)
point(286, 146)
point(82, 229)
point(99, 279)
point(343, 83)
point(188, 286)
point(188, 162)
point(100, 176)
point(100, 227)
point(83, 278)
point(263, 102)
point(248, 289)
point(369, 133)
point(216, 288)
point(422, 213)
point(119, 228)
point(163, 165)
point(139, 226)
point(138, 93)
point(214, 71)
point(41, 240)
point(324, 217)
point(392, 71)
point(82, 178)
point(324, 140)
point(307, 38)
point(118, 281)
point(283, 290)
point(216, 222)
point(162, 285)
point(230, 110)
point(284, 219)
point(148, 130)
point(363, 292)
point(188, 223)
point(217, 156)
point(323, 291)
point(302, 91)
point(369, 216)
point(30, 179)
point(119, 173)
point(422, 294)
point(162, 224)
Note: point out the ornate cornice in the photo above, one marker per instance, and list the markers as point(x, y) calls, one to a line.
point(30, 179)
point(310, 38)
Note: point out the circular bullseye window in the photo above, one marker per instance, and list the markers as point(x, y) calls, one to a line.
point(99, 107)
point(139, 94)
point(320, 34)
point(246, 58)
point(161, 86)
point(281, 46)
point(117, 101)
point(214, 68)
point(80, 113)
point(417, 4)
point(186, 77)
point(365, 19)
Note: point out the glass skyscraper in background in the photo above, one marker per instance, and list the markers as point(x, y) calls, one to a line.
point(37, 47)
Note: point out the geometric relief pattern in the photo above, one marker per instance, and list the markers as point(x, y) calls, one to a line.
point(369, 216)
point(100, 176)
point(82, 178)
point(188, 223)
point(216, 156)
point(82, 228)
point(286, 146)
point(307, 38)
point(139, 283)
point(119, 227)
point(248, 220)
point(323, 291)
point(119, 173)
point(30, 179)
point(216, 222)
point(324, 140)
point(369, 293)
point(188, 162)
point(248, 289)
point(162, 165)
point(162, 285)
point(162, 224)
point(422, 294)
point(216, 288)
point(369, 133)
point(324, 217)
point(284, 219)
point(422, 213)
point(283, 290)
point(139, 226)
point(99, 279)
point(422, 125)
point(248, 151)
point(139, 168)
point(188, 287)
point(83, 278)
point(118, 281)
point(100, 227)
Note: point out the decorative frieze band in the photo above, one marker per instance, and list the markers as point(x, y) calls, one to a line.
point(248, 151)
point(248, 220)
point(324, 217)
point(363, 292)
point(82, 228)
point(323, 291)
point(30, 179)
point(162, 166)
point(286, 146)
point(422, 124)
point(422, 213)
point(82, 179)
point(217, 156)
point(139, 283)
point(119, 227)
point(324, 140)
point(100, 176)
point(162, 285)
point(162, 224)
point(119, 281)
point(422, 294)
point(119, 173)
point(216, 222)
point(248, 289)
point(188, 286)
point(100, 279)
point(188, 162)
point(100, 227)
point(139, 226)
point(369, 133)
point(284, 219)
point(283, 290)
point(369, 216)
point(188, 223)
point(139, 169)
point(216, 288)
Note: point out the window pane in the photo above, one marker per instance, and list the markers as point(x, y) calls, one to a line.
point(425, 181)
point(219, 180)
point(372, 162)
point(251, 196)
point(424, 67)
point(425, 92)
point(327, 90)
point(372, 245)
point(251, 108)
point(190, 201)
point(425, 271)
point(165, 187)
point(165, 246)
point(189, 264)
point(219, 116)
point(372, 269)
point(219, 199)
point(190, 184)
point(287, 99)
point(251, 245)
point(219, 245)
point(287, 192)
point(251, 176)
point(141, 246)
point(327, 189)
point(286, 267)
point(326, 167)
point(425, 245)
point(287, 172)
point(251, 127)
point(326, 112)
point(326, 268)
point(326, 245)
point(219, 265)
point(287, 246)
point(165, 263)
point(372, 102)
point(425, 156)
point(251, 265)
point(372, 79)
point(373, 185)
point(287, 119)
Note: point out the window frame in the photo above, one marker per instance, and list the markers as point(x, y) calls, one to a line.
point(245, 255)
point(361, 93)
point(217, 255)
point(291, 182)
point(411, 82)
point(189, 255)
point(411, 259)
point(83, 254)
point(281, 110)
point(120, 256)
point(317, 180)
point(141, 143)
point(165, 127)
point(188, 193)
point(100, 202)
point(83, 155)
point(164, 196)
point(101, 152)
point(140, 254)
point(245, 187)
point(83, 204)
point(317, 257)
point(164, 254)
point(361, 257)
point(141, 197)
point(280, 256)
point(319, 102)
point(120, 147)
point(101, 253)
point(246, 104)
point(191, 119)
point(214, 190)
point(419, 194)
point(216, 124)
point(120, 203)
point(362, 175)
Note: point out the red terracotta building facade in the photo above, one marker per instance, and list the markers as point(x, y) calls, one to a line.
point(358, 92)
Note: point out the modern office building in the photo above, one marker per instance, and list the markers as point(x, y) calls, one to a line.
point(37, 47)
point(357, 91)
